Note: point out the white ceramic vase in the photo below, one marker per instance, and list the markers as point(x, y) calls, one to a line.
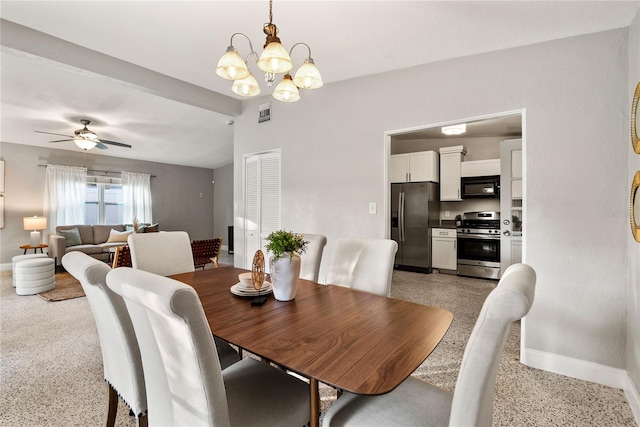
point(284, 276)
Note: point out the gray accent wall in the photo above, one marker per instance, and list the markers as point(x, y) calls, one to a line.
point(575, 96)
point(223, 202)
point(182, 196)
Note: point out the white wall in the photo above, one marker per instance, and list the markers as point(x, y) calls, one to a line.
point(576, 153)
point(633, 259)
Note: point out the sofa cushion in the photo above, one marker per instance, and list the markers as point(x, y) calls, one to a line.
point(101, 232)
point(118, 236)
point(72, 237)
point(86, 232)
point(87, 249)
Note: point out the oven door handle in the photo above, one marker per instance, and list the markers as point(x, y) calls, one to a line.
point(479, 236)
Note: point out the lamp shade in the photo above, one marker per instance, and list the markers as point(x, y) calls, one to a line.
point(34, 222)
point(231, 66)
point(275, 59)
point(286, 91)
point(308, 76)
point(246, 87)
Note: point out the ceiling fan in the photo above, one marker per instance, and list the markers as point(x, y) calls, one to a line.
point(86, 139)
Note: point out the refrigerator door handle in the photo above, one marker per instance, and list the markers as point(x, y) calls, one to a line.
point(401, 209)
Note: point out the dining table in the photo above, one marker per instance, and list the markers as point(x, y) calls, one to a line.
point(349, 339)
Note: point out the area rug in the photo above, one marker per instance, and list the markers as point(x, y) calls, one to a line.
point(67, 287)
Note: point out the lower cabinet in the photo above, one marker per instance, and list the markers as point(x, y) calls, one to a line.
point(444, 249)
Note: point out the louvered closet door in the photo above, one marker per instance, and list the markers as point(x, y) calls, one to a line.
point(262, 202)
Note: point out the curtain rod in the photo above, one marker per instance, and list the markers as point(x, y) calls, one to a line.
point(97, 171)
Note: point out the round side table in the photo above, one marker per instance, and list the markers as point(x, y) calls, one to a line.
point(35, 248)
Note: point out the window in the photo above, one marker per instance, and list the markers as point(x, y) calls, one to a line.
point(103, 204)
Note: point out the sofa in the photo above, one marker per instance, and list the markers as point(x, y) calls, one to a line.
point(93, 240)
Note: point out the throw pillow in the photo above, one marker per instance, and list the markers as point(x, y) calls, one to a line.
point(118, 236)
point(72, 236)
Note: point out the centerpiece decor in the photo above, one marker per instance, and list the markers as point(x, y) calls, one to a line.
point(257, 277)
point(284, 264)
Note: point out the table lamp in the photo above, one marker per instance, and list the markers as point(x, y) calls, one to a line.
point(35, 223)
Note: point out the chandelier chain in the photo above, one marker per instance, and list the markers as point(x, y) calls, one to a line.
point(270, 11)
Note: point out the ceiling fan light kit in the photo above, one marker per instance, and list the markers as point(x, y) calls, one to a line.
point(274, 60)
point(86, 139)
point(85, 144)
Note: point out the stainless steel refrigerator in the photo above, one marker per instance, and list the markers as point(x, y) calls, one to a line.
point(415, 209)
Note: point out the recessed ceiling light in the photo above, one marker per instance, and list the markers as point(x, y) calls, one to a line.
point(455, 129)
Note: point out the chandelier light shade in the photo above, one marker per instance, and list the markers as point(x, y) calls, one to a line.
point(34, 223)
point(231, 66)
point(246, 87)
point(274, 60)
point(308, 76)
point(286, 91)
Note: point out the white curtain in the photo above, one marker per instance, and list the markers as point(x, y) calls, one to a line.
point(64, 195)
point(136, 197)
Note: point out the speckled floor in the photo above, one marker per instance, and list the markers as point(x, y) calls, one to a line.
point(51, 368)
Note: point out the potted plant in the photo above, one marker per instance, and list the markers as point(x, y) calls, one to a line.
point(284, 263)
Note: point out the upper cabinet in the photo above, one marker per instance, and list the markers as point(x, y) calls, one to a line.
point(450, 172)
point(415, 167)
point(480, 168)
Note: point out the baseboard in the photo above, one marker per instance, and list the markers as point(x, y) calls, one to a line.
point(587, 371)
point(224, 247)
point(633, 397)
point(5, 267)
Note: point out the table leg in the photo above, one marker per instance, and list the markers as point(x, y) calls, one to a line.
point(314, 395)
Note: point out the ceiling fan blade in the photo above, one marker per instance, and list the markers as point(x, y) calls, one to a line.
point(101, 146)
point(119, 144)
point(62, 140)
point(49, 133)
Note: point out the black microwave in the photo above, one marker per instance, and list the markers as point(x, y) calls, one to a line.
point(473, 187)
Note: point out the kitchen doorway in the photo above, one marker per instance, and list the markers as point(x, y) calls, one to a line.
point(481, 139)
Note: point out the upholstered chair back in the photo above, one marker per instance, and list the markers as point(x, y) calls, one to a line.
point(120, 353)
point(181, 366)
point(363, 264)
point(163, 253)
point(511, 300)
point(311, 258)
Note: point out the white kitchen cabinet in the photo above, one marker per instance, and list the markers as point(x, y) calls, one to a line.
point(488, 167)
point(444, 249)
point(415, 167)
point(450, 172)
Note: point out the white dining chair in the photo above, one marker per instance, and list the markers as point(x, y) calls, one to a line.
point(121, 360)
point(185, 383)
point(168, 253)
point(311, 258)
point(163, 253)
point(415, 402)
point(363, 264)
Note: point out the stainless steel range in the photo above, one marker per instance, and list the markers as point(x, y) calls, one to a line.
point(479, 245)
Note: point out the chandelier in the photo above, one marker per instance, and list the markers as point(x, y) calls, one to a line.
point(274, 60)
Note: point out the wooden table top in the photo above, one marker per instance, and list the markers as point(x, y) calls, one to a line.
point(356, 341)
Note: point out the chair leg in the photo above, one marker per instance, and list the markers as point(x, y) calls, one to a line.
point(142, 421)
point(113, 406)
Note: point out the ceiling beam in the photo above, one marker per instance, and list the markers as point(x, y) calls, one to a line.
point(24, 39)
